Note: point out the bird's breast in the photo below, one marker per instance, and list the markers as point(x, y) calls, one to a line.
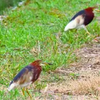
point(88, 18)
point(36, 74)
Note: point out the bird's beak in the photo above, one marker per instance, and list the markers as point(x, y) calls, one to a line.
point(45, 63)
point(97, 10)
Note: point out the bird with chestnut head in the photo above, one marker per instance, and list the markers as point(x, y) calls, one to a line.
point(81, 19)
point(27, 75)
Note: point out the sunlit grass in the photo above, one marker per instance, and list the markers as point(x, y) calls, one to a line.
point(29, 33)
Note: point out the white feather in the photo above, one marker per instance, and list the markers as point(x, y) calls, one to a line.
point(75, 23)
point(71, 25)
point(13, 85)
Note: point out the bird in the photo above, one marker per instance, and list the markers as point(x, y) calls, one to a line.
point(27, 75)
point(81, 19)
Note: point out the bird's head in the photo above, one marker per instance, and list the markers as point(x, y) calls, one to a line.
point(40, 63)
point(91, 9)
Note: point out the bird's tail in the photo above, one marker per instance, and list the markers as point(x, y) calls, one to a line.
point(13, 85)
point(9, 89)
point(66, 28)
point(71, 25)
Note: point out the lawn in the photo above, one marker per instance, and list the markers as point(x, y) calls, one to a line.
point(36, 31)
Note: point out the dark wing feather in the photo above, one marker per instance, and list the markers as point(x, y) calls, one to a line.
point(21, 73)
point(82, 12)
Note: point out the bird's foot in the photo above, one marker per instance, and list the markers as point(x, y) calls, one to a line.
point(46, 88)
point(97, 39)
point(88, 33)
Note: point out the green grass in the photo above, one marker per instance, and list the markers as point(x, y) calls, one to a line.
point(34, 26)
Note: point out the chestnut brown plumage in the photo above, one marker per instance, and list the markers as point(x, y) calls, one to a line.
point(81, 19)
point(27, 75)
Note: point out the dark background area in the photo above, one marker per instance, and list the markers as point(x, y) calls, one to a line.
point(7, 3)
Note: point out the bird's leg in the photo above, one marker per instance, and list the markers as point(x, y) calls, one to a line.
point(28, 93)
point(89, 33)
point(86, 30)
point(23, 89)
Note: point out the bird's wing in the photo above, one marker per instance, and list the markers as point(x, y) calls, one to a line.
point(76, 21)
point(24, 76)
point(82, 12)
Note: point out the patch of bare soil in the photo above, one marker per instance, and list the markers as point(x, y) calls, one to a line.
point(81, 80)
